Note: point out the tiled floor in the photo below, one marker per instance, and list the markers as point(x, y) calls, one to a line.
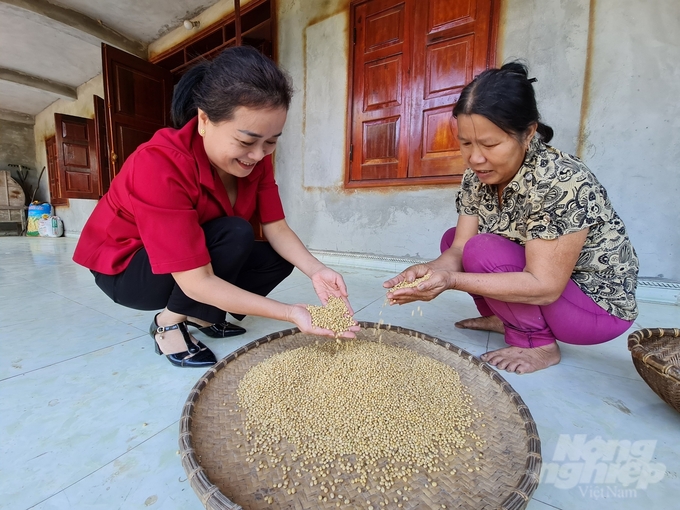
point(89, 414)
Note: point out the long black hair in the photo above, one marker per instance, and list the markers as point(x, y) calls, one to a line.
point(239, 76)
point(506, 97)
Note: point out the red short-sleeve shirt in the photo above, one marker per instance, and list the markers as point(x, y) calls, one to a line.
point(163, 194)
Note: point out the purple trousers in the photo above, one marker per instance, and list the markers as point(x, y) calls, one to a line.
point(574, 318)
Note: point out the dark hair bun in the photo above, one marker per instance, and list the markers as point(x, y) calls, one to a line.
point(516, 68)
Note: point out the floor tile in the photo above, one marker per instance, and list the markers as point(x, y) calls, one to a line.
point(64, 422)
point(59, 332)
point(148, 476)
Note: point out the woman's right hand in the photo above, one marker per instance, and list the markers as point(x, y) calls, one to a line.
point(300, 316)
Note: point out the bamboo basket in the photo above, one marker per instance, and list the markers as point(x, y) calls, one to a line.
point(656, 356)
point(222, 479)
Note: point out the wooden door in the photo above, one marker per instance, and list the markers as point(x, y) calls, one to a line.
point(382, 39)
point(102, 145)
point(76, 157)
point(138, 96)
point(451, 47)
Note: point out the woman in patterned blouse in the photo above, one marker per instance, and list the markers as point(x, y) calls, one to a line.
point(538, 244)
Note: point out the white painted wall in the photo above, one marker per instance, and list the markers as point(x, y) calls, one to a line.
point(629, 123)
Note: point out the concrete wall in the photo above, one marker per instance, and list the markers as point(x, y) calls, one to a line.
point(632, 128)
point(17, 147)
point(607, 82)
point(76, 213)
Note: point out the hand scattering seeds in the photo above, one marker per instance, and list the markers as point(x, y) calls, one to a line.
point(370, 414)
point(405, 284)
point(334, 316)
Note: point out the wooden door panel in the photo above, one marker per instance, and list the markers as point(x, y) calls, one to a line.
point(448, 66)
point(440, 150)
point(76, 157)
point(384, 28)
point(383, 83)
point(437, 132)
point(78, 181)
point(381, 141)
point(380, 150)
point(137, 96)
point(129, 137)
point(73, 131)
point(443, 14)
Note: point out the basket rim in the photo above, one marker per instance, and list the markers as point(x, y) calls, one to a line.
point(210, 494)
point(639, 351)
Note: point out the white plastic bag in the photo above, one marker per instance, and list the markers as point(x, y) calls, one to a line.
point(52, 226)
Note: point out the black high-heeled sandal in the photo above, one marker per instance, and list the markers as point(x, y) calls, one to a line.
point(222, 330)
point(196, 355)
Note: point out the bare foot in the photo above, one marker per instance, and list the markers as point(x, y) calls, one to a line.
point(524, 361)
point(490, 323)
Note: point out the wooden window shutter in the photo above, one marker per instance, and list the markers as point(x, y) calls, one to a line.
point(78, 171)
point(380, 85)
point(56, 195)
point(102, 145)
point(411, 59)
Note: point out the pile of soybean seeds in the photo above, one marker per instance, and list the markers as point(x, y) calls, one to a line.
point(360, 419)
point(414, 283)
point(334, 316)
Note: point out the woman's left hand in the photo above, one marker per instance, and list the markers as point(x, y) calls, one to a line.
point(327, 282)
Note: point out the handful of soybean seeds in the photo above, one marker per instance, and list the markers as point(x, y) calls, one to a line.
point(414, 283)
point(334, 316)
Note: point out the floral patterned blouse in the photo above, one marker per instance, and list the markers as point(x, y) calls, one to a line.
point(551, 195)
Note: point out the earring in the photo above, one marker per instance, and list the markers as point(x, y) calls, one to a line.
point(201, 132)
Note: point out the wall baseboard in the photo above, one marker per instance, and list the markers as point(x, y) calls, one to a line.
point(658, 291)
point(648, 291)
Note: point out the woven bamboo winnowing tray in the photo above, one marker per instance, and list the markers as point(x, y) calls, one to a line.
point(222, 478)
point(656, 356)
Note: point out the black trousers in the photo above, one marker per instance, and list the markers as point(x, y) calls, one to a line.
point(235, 257)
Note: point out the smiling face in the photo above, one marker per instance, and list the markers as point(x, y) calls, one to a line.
point(494, 155)
point(235, 146)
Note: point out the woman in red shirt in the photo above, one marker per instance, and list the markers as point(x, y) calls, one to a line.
point(173, 231)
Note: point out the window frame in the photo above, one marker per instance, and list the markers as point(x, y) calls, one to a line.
point(352, 152)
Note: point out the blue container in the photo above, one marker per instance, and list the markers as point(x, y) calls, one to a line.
point(37, 211)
